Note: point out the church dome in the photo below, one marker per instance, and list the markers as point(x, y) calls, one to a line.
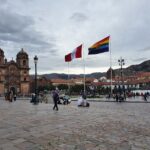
point(22, 54)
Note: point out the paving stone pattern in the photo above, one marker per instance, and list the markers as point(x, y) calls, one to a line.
point(103, 126)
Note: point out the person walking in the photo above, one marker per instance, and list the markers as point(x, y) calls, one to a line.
point(117, 97)
point(145, 97)
point(55, 99)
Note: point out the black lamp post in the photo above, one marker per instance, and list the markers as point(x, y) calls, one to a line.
point(121, 63)
point(35, 62)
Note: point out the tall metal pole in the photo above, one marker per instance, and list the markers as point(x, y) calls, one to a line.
point(35, 82)
point(110, 67)
point(84, 72)
point(35, 61)
point(84, 80)
point(121, 63)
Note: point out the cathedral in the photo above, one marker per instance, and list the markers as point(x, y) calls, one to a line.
point(14, 75)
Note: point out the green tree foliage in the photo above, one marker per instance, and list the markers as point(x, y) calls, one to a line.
point(62, 87)
point(76, 89)
point(46, 87)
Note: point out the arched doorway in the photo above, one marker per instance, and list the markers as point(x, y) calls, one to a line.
point(13, 90)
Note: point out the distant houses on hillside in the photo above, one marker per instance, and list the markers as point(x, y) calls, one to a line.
point(140, 80)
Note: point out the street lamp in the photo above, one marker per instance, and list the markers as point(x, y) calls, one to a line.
point(35, 62)
point(121, 63)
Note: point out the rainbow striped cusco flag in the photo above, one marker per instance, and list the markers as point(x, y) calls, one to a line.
point(99, 47)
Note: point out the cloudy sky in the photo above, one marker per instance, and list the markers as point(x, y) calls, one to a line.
point(52, 28)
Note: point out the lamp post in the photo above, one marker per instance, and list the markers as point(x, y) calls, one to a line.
point(35, 62)
point(121, 63)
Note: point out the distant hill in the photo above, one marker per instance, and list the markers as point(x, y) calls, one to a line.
point(144, 67)
point(73, 76)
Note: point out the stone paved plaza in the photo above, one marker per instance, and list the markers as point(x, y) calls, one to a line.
point(103, 126)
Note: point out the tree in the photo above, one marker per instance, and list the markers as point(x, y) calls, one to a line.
point(62, 87)
point(76, 89)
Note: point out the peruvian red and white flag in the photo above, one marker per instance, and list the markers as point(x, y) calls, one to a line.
point(77, 53)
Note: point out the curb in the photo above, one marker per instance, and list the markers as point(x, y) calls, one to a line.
point(117, 102)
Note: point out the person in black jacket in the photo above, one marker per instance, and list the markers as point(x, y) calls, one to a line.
point(55, 99)
point(145, 96)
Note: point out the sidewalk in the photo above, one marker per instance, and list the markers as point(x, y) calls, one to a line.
point(137, 99)
point(128, 100)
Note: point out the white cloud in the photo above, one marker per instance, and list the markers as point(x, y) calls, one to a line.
point(51, 29)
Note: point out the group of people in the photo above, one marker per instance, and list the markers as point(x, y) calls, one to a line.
point(43, 97)
point(10, 96)
point(82, 102)
point(120, 97)
point(64, 99)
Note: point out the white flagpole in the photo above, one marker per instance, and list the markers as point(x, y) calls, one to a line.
point(84, 69)
point(110, 66)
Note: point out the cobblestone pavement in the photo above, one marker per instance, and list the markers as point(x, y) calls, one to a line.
point(103, 126)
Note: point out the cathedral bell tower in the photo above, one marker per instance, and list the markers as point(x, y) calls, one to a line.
point(2, 71)
point(1, 57)
point(23, 63)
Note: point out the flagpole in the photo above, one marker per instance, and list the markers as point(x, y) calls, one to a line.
point(68, 80)
point(110, 67)
point(84, 69)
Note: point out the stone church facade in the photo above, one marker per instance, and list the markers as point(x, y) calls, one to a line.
point(14, 75)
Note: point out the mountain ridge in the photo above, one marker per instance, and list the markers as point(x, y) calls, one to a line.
point(131, 70)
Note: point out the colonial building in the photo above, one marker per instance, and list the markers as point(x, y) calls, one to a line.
point(110, 73)
point(14, 75)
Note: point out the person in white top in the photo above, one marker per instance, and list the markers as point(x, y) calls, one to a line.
point(80, 101)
